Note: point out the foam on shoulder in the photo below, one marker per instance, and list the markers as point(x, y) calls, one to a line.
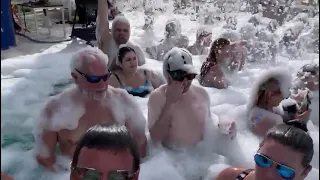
point(60, 112)
point(125, 108)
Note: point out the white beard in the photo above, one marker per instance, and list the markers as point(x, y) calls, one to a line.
point(97, 96)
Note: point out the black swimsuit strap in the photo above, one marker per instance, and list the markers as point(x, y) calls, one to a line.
point(118, 78)
point(243, 174)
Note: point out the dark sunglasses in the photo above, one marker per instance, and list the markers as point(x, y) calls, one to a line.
point(92, 174)
point(284, 171)
point(95, 79)
point(180, 75)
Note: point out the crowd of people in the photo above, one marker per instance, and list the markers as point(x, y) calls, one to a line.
point(102, 129)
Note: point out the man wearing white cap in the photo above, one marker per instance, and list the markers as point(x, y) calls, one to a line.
point(178, 110)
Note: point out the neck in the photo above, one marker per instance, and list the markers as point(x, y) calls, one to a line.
point(127, 75)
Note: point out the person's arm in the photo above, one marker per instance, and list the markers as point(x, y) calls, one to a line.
point(102, 29)
point(159, 117)
point(45, 139)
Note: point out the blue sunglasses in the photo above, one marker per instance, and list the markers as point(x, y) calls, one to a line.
point(95, 79)
point(284, 171)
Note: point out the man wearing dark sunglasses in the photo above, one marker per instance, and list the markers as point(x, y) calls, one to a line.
point(106, 152)
point(67, 116)
point(177, 111)
point(285, 153)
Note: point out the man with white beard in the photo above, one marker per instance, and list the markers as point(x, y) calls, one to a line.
point(67, 116)
point(120, 33)
point(178, 111)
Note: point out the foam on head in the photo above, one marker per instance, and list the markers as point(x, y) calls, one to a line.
point(231, 35)
point(280, 74)
point(173, 28)
point(117, 19)
point(202, 31)
point(87, 55)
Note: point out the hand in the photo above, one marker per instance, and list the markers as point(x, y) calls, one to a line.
point(305, 116)
point(174, 92)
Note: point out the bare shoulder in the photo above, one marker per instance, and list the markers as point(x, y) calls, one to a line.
point(158, 94)
point(229, 173)
point(200, 91)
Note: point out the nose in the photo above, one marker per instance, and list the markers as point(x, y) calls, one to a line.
point(271, 173)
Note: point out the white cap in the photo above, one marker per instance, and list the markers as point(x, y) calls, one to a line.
point(179, 59)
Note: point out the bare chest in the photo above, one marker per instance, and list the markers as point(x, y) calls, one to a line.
point(91, 117)
point(190, 113)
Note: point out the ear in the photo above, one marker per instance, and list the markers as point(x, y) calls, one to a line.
point(306, 171)
point(74, 77)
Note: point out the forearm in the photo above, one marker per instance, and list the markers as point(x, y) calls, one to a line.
point(102, 23)
point(160, 129)
point(47, 162)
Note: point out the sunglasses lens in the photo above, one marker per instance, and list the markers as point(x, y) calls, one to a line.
point(285, 171)
point(262, 161)
point(92, 175)
point(118, 175)
point(190, 76)
point(93, 79)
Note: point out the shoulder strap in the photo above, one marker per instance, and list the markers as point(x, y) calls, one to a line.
point(118, 78)
point(243, 174)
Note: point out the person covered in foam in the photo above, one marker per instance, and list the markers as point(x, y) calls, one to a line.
point(203, 41)
point(264, 112)
point(218, 63)
point(67, 116)
point(178, 111)
point(135, 80)
point(307, 83)
point(285, 152)
point(173, 38)
point(120, 33)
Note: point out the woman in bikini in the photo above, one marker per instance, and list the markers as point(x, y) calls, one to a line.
point(135, 80)
point(284, 153)
point(223, 58)
point(263, 108)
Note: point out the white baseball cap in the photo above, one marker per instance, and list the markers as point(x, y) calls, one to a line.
point(179, 59)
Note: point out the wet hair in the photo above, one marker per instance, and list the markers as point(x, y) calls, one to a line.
point(294, 135)
point(212, 57)
point(123, 51)
point(108, 137)
point(267, 86)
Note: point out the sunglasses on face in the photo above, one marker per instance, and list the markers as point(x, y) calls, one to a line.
point(284, 171)
point(95, 79)
point(92, 174)
point(180, 75)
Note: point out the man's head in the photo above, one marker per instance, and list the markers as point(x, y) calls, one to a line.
point(90, 72)
point(309, 75)
point(173, 28)
point(204, 36)
point(106, 152)
point(178, 66)
point(121, 29)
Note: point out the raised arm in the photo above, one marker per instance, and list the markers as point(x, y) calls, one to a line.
point(45, 140)
point(102, 29)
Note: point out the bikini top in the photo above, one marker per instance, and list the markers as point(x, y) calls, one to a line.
point(243, 174)
point(142, 91)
